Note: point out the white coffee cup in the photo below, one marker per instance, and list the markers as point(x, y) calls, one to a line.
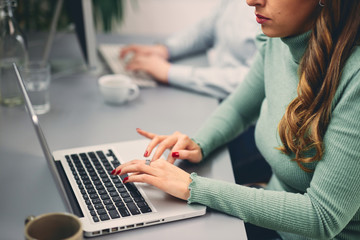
point(118, 88)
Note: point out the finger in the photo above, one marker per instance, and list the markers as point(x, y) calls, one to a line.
point(155, 140)
point(180, 145)
point(144, 178)
point(191, 155)
point(167, 143)
point(153, 143)
point(125, 50)
point(119, 168)
point(138, 169)
point(145, 133)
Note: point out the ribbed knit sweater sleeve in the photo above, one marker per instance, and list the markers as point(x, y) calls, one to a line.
point(323, 204)
point(235, 113)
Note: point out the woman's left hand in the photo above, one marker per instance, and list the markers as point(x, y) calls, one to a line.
point(160, 173)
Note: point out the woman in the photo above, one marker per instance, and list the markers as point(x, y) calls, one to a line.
point(304, 91)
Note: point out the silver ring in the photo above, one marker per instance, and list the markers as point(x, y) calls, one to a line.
point(147, 162)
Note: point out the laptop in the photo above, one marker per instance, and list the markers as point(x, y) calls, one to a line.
point(110, 54)
point(102, 201)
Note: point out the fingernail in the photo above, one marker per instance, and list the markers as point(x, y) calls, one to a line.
point(137, 129)
point(125, 179)
point(118, 172)
point(175, 154)
point(113, 171)
point(146, 154)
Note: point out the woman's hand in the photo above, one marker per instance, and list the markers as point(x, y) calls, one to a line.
point(182, 147)
point(151, 64)
point(161, 174)
point(145, 50)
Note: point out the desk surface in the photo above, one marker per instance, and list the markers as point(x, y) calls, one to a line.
point(79, 117)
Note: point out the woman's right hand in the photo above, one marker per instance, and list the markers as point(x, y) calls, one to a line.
point(182, 147)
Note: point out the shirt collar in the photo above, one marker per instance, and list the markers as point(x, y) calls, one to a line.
point(297, 45)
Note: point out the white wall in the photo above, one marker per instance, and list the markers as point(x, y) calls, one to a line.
point(163, 17)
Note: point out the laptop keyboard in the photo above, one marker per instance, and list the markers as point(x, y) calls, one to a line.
point(110, 53)
point(105, 195)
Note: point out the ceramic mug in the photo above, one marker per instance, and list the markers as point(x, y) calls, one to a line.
point(53, 226)
point(118, 88)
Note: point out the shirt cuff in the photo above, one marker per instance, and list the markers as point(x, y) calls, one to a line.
point(179, 75)
point(192, 187)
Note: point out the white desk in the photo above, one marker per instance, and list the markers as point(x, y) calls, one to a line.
point(79, 117)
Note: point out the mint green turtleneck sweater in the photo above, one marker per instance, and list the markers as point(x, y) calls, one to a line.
point(323, 204)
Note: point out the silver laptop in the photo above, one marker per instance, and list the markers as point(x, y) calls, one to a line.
point(102, 201)
point(110, 54)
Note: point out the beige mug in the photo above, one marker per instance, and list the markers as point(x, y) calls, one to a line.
point(54, 226)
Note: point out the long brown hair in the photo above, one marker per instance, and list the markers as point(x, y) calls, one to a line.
point(333, 37)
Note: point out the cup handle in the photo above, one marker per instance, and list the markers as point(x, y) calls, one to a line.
point(29, 219)
point(133, 92)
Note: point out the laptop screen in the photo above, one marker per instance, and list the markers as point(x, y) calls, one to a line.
point(41, 137)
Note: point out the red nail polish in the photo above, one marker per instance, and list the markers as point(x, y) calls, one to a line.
point(146, 154)
point(118, 172)
point(125, 179)
point(113, 171)
point(175, 154)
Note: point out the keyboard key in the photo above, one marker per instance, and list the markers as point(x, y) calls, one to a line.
point(121, 190)
point(133, 209)
point(114, 214)
point(96, 219)
point(124, 195)
point(96, 201)
point(101, 211)
point(142, 204)
point(110, 207)
point(128, 199)
point(99, 206)
point(117, 181)
point(120, 204)
point(102, 191)
point(92, 155)
point(101, 154)
point(104, 217)
point(135, 193)
point(104, 196)
point(114, 194)
point(94, 196)
point(145, 209)
point(139, 199)
point(91, 191)
point(123, 212)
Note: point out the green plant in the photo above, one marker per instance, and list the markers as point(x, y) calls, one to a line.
point(37, 14)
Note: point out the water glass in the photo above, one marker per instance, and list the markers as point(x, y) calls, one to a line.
point(37, 77)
